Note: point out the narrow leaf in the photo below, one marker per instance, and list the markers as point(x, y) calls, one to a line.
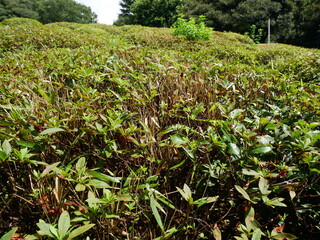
point(243, 193)
point(102, 176)
point(51, 130)
point(288, 236)
point(9, 234)
point(78, 231)
point(153, 205)
point(261, 150)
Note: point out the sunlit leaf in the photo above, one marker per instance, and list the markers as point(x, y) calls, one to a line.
point(261, 150)
point(233, 149)
point(51, 131)
point(102, 176)
point(216, 232)
point(264, 186)
point(256, 234)
point(63, 223)
point(6, 147)
point(9, 234)
point(80, 230)
point(243, 193)
point(276, 202)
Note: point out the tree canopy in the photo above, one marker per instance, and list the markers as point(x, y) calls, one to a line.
point(292, 21)
point(155, 13)
point(47, 11)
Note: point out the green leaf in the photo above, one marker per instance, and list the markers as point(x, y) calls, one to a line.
point(99, 184)
point(186, 193)
point(179, 139)
point(6, 147)
point(250, 172)
point(217, 233)
point(51, 130)
point(63, 223)
point(256, 234)
point(288, 236)
point(26, 144)
point(177, 165)
point(44, 228)
point(103, 177)
point(249, 219)
point(80, 187)
point(54, 231)
point(261, 150)
point(263, 186)
point(243, 193)
point(9, 234)
point(3, 155)
point(153, 205)
point(189, 152)
point(78, 231)
point(235, 113)
point(276, 202)
point(81, 163)
point(233, 149)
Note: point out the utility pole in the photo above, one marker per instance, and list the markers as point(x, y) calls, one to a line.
point(269, 30)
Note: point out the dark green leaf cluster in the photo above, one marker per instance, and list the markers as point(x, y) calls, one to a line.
point(47, 11)
point(154, 13)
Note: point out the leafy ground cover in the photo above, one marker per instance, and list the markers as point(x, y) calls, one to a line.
point(135, 133)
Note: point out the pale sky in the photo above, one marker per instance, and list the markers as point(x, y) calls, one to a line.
point(107, 10)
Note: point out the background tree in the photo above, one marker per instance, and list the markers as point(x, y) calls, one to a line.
point(18, 8)
point(65, 11)
point(292, 21)
point(47, 11)
point(125, 17)
point(155, 13)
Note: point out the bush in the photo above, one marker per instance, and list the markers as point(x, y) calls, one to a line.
point(192, 29)
point(21, 22)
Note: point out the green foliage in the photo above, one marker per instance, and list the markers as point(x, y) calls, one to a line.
point(298, 18)
point(18, 8)
point(47, 11)
point(254, 34)
point(154, 13)
point(133, 132)
point(65, 11)
point(63, 231)
point(25, 23)
point(192, 29)
point(9, 234)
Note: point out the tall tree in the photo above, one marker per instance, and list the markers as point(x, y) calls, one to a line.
point(125, 17)
point(65, 11)
point(156, 13)
point(47, 11)
point(292, 21)
point(18, 8)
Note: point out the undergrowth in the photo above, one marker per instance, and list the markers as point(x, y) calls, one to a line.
point(135, 133)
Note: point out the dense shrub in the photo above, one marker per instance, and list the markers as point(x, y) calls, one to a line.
point(21, 23)
point(138, 133)
point(192, 29)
